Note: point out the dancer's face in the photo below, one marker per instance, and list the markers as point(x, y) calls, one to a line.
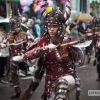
point(52, 29)
point(17, 29)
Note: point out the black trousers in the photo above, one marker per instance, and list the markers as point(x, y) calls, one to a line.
point(98, 63)
point(44, 96)
point(3, 63)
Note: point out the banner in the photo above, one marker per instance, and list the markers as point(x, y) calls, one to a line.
point(94, 6)
point(11, 0)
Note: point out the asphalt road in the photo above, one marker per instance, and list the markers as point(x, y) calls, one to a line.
point(87, 74)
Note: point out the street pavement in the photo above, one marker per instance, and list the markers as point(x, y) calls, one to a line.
point(87, 73)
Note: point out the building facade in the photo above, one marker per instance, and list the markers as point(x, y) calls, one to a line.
point(82, 6)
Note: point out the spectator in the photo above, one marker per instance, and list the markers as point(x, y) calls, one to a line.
point(42, 24)
point(36, 28)
point(76, 22)
point(2, 9)
point(80, 28)
point(74, 32)
point(89, 48)
point(4, 53)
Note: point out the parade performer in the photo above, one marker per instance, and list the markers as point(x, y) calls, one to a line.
point(56, 59)
point(17, 40)
point(96, 43)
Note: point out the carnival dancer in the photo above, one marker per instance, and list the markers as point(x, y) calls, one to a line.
point(56, 59)
point(17, 40)
point(96, 43)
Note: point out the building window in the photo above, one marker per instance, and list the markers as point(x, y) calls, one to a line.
point(74, 4)
point(83, 7)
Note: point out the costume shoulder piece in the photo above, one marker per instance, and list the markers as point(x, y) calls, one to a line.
point(32, 46)
point(21, 35)
point(10, 37)
point(22, 32)
point(43, 41)
point(40, 43)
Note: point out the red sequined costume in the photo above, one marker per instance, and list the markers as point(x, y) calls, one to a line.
point(16, 61)
point(96, 43)
point(58, 63)
point(54, 66)
point(17, 41)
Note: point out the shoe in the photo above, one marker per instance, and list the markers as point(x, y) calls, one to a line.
point(3, 82)
point(10, 81)
point(15, 95)
point(21, 75)
point(98, 79)
point(88, 59)
point(29, 73)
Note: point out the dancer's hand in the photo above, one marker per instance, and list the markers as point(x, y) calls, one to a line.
point(51, 47)
point(79, 61)
point(3, 45)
